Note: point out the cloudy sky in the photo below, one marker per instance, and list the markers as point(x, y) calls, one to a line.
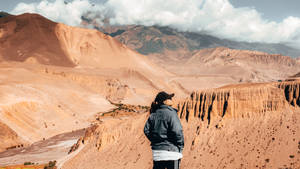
point(273, 21)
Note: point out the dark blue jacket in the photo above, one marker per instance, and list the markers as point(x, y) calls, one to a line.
point(164, 130)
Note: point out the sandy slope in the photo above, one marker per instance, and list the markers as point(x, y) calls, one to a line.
point(40, 101)
point(247, 138)
point(267, 141)
point(34, 39)
point(8, 138)
point(54, 78)
point(30, 37)
point(41, 152)
point(219, 66)
point(251, 66)
point(37, 107)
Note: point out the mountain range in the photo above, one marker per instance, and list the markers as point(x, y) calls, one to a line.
point(74, 95)
point(158, 40)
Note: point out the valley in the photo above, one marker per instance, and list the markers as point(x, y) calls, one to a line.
point(81, 97)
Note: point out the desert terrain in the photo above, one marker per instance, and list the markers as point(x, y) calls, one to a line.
point(81, 97)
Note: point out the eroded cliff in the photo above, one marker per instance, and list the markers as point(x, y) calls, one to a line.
point(243, 100)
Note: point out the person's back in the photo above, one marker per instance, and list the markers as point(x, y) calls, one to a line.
point(164, 130)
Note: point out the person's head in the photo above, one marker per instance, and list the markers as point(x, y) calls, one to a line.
point(163, 97)
point(160, 99)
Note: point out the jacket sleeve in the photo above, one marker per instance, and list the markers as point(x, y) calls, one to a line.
point(176, 132)
point(147, 130)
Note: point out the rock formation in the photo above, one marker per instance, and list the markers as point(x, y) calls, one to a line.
point(296, 75)
point(231, 55)
point(257, 127)
point(291, 92)
point(243, 100)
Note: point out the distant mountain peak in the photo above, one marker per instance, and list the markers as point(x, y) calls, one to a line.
point(157, 39)
point(4, 14)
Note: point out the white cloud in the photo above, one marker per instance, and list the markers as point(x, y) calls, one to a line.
point(218, 17)
point(58, 10)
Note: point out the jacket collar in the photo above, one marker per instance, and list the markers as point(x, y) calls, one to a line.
point(168, 107)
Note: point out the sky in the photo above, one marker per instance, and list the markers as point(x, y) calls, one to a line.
point(271, 21)
point(273, 10)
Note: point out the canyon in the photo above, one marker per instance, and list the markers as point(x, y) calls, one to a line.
point(81, 97)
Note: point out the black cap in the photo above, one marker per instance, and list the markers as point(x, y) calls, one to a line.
point(162, 96)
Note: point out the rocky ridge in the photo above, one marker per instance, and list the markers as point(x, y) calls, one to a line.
point(150, 40)
point(228, 55)
point(242, 100)
point(296, 75)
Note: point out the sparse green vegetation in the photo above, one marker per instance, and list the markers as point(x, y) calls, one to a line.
point(124, 109)
point(51, 165)
point(28, 163)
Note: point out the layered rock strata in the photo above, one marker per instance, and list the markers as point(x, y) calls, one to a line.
point(243, 100)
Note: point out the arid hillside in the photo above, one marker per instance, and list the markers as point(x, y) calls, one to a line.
point(33, 38)
point(198, 58)
point(9, 139)
point(241, 65)
point(164, 41)
point(215, 67)
point(296, 75)
point(36, 106)
point(54, 78)
point(58, 82)
point(50, 43)
point(244, 126)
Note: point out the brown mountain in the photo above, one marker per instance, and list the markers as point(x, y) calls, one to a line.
point(57, 81)
point(248, 65)
point(31, 37)
point(154, 40)
point(197, 58)
point(54, 78)
point(34, 39)
point(4, 14)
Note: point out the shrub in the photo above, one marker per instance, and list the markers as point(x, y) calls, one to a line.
point(50, 165)
point(28, 163)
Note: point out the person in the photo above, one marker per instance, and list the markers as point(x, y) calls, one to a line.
point(164, 131)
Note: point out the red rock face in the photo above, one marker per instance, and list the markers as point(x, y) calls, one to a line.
point(291, 92)
point(245, 100)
